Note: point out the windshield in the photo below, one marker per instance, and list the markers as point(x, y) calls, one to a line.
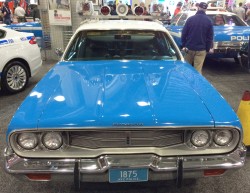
point(119, 44)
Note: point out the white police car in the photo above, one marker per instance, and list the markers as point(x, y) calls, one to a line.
point(20, 59)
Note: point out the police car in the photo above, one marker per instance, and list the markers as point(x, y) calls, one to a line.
point(20, 59)
point(122, 105)
point(230, 32)
point(30, 27)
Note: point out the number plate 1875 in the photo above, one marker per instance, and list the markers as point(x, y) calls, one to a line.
point(128, 175)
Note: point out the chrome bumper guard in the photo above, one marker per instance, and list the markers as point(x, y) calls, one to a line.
point(177, 167)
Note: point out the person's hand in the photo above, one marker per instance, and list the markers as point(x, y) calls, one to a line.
point(185, 49)
point(211, 51)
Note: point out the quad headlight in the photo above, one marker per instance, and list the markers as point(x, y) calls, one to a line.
point(223, 137)
point(200, 138)
point(52, 140)
point(27, 141)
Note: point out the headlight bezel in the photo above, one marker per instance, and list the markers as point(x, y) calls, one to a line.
point(39, 136)
point(236, 138)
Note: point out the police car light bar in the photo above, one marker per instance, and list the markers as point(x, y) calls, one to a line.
point(87, 11)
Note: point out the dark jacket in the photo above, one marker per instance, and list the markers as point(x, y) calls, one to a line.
point(8, 13)
point(198, 32)
point(35, 13)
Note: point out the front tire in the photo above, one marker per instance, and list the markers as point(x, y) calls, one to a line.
point(15, 77)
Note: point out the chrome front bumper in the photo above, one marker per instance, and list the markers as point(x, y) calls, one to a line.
point(227, 47)
point(96, 169)
point(227, 50)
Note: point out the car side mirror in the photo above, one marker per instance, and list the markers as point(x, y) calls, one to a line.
point(59, 52)
point(172, 52)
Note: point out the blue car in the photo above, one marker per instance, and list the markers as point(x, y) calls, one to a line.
point(230, 32)
point(122, 106)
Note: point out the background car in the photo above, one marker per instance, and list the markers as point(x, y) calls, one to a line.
point(30, 27)
point(230, 32)
point(20, 59)
point(122, 106)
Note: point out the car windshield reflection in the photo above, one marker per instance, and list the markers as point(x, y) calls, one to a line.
point(118, 44)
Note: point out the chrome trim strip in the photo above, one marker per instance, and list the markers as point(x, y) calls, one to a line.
point(20, 130)
point(101, 164)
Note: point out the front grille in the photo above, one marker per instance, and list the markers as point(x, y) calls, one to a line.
point(130, 138)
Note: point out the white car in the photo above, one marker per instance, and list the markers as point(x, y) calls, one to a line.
point(20, 59)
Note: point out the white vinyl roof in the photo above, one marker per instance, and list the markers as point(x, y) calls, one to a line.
point(121, 24)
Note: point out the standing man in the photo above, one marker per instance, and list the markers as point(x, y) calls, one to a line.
point(178, 8)
point(248, 14)
point(6, 14)
point(35, 13)
point(197, 37)
point(20, 13)
point(240, 11)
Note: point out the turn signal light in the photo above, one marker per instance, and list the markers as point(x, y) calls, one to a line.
point(39, 177)
point(214, 172)
point(33, 40)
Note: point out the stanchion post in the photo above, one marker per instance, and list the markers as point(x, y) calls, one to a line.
point(243, 113)
point(248, 54)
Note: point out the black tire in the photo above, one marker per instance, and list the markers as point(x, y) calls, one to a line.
point(15, 77)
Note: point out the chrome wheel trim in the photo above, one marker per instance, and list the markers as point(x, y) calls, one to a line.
point(16, 77)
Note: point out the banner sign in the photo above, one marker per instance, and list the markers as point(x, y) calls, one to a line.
point(59, 12)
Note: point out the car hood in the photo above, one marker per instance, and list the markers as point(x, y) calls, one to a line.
point(122, 93)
